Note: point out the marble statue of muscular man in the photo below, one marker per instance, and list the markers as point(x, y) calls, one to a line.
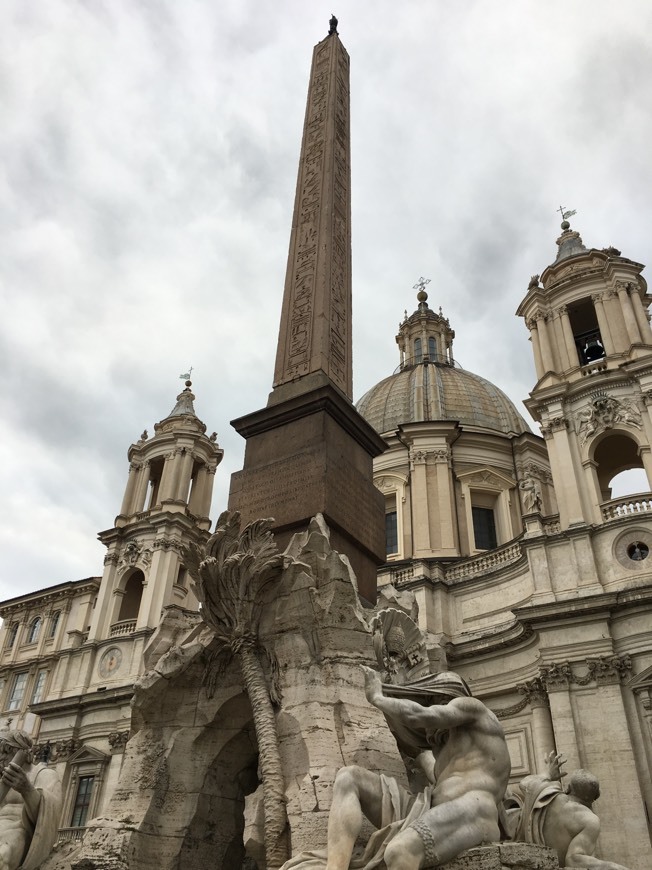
point(470, 776)
point(30, 806)
point(563, 820)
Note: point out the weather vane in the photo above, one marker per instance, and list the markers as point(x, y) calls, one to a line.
point(566, 214)
point(187, 375)
point(421, 284)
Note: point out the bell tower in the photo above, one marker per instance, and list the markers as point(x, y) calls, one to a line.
point(592, 345)
point(165, 506)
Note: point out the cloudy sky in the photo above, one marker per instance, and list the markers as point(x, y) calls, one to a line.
point(148, 155)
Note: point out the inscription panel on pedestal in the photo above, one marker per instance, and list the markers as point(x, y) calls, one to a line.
point(293, 490)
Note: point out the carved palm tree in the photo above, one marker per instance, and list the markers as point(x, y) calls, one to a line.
point(230, 574)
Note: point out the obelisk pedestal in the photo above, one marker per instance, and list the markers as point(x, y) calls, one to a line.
point(309, 451)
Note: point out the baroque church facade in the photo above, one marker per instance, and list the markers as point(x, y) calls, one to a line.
point(531, 580)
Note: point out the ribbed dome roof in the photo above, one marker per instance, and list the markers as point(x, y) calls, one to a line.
point(435, 391)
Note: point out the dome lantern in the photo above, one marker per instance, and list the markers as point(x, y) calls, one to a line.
point(425, 336)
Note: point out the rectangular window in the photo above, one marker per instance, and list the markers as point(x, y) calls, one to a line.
point(391, 532)
point(484, 528)
point(39, 687)
point(82, 801)
point(17, 692)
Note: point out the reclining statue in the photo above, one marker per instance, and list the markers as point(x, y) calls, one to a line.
point(30, 804)
point(460, 745)
point(562, 820)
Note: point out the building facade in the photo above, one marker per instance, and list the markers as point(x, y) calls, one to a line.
point(532, 581)
point(70, 654)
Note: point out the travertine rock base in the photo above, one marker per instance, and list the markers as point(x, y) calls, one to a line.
point(505, 856)
point(188, 795)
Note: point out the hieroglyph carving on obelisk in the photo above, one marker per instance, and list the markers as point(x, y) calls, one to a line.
point(315, 333)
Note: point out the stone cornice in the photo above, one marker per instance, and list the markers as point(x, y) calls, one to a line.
point(323, 398)
point(531, 618)
point(506, 637)
point(148, 524)
point(48, 595)
point(82, 703)
point(578, 609)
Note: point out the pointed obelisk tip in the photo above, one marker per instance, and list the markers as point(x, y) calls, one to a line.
point(332, 25)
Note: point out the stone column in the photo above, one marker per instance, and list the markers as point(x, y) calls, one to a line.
point(544, 338)
point(168, 477)
point(638, 708)
point(603, 323)
point(556, 678)
point(593, 490)
point(641, 314)
point(125, 508)
point(445, 492)
point(628, 312)
point(156, 595)
point(645, 452)
point(196, 503)
point(208, 491)
point(185, 472)
point(563, 472)
point(420, 512)
point(536, 347)
point(543, 736)
point(569, 339)
point(141, 488)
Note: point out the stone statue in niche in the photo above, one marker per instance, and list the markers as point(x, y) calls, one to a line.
point(532, 501)
point(461, 747)
point(30, 804)
point(544, 813)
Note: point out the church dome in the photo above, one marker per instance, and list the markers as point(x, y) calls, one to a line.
point(439, 391)
point(429, 386)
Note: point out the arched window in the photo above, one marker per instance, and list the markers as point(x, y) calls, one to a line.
point(11, 635)
point(619, 467)
point(432, 348)
point(131, 599)
point(54, 623)
point(418, 353)
point(34, 630)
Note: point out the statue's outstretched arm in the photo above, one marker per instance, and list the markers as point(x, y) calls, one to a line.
point(459, 711)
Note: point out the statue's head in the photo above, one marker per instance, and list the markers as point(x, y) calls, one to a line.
point(10, 742)
point(583, 785)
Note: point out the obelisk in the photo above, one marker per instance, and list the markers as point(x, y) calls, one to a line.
point(309, 451)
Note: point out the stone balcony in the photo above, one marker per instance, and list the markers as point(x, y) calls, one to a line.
point(626, 505)
point(126, 626)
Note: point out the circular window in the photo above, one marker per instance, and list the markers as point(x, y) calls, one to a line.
point(638, 550)
point(633, 548)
